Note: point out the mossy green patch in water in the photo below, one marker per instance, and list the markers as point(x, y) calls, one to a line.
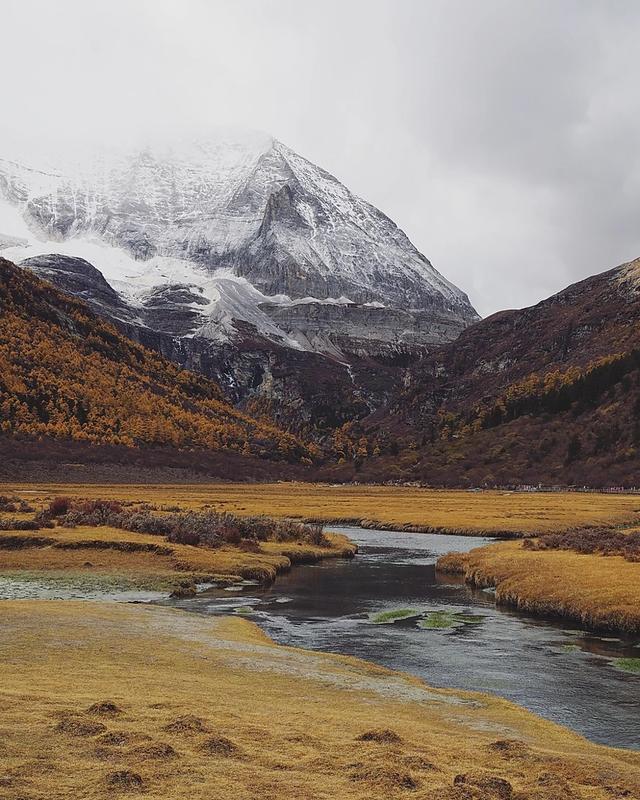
point(570, 648)
point(471, 619)
point(628, 664)
point(386, 617)
point(441, 620)
point(244, 610)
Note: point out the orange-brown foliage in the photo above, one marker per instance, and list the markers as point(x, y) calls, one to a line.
point(65, 374)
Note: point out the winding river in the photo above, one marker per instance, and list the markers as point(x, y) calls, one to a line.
point(389, 606)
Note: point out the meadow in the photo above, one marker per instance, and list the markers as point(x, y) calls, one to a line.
point(109, 700)
point(398, 507)
point(596, 587)
point(105, 544)
point(590, 589)
point(101, 700)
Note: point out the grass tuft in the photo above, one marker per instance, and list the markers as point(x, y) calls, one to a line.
point(380, 735)
point(628, 664)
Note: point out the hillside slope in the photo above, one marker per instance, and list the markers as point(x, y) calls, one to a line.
point(546, 394)
point(67, 375)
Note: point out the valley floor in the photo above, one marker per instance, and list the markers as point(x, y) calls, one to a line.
point(591, 589)
point(99, 699)
point(397, 507)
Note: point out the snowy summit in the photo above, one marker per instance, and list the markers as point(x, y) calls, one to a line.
point(236, 227)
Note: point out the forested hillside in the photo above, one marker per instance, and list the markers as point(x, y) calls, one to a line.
point(548, 394)
point(67, 375)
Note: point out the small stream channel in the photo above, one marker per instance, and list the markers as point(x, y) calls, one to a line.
point(443, 631)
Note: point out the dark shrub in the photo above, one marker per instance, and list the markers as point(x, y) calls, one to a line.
point(93, 512)
point(231, 534)
point(184, 537)
point(204, 528)
point(316, 535)
point(603, 541)
point(143, 522)
point(19, 525)
point(249, 546)
point(8, 503)
point(59, 506)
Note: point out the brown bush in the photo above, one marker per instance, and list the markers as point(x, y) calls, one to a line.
point(196, 528)
point(231, 535)
point(601, 541)
point(59, 506)
point(19, 525)
point(249, 546)
point(8, 503)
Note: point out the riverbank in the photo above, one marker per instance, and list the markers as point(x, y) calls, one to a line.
point(599, 592)
point(114, 559)
point(496, 513)
point(176, 705)
point(48, 542)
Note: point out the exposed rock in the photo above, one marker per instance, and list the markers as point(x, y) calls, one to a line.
point(190, 239)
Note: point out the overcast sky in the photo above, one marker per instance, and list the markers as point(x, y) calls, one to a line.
point(503, 136)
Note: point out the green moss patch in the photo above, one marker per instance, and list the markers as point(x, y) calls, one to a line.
point(471, 619)
point(434, 620)
point(387, 617)
point(441, 620)
point(628, 664)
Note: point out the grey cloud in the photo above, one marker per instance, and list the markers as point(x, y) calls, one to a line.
point(502, 135)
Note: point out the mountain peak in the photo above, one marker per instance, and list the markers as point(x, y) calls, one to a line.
point(237, 205)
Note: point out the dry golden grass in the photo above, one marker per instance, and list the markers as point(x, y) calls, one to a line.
point(110, 554)
point(596, 591)
point(390, 506)
point(103, 700)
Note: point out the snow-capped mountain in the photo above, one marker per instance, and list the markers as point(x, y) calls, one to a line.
point(194, 238)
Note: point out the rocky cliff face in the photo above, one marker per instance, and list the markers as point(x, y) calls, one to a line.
point(305, 391)
point(196, 238)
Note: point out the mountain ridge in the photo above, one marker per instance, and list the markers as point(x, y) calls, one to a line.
point(253, 213)
point(547, 394)
point(544, 395)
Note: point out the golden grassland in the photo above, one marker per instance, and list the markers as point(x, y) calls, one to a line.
point(107, 555)
point(102, 700)
point(594, 590)
point(396, 507)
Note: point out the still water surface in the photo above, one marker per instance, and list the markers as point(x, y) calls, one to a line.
point(566, 675)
